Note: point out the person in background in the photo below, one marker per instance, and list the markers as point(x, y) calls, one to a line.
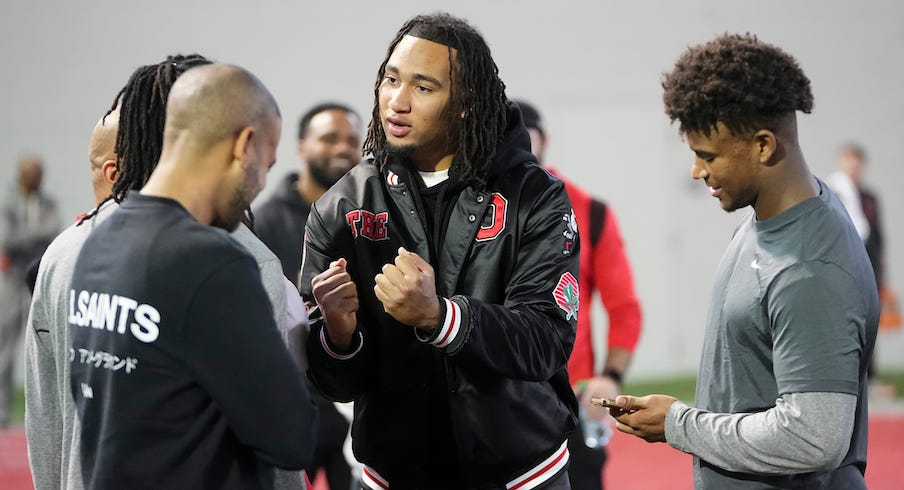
point(51, 424)
point(329, 144)
point(862, 204)
point(28, 223)
point(604, 270)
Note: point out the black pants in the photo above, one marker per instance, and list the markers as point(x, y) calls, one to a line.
point(331, 431)
point(561, 482)
point(585, 465)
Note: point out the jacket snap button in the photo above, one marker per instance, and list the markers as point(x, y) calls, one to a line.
point(472, 218)
point(479, 198)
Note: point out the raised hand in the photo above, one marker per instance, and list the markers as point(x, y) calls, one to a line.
point(337, 298)
point(408, 292)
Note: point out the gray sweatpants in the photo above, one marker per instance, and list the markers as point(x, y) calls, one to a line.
point(14, 304)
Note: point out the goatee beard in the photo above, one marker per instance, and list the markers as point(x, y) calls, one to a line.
point(320, 175)
point(402, 153)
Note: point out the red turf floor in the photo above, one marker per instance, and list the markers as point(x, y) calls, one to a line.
point(634, 464)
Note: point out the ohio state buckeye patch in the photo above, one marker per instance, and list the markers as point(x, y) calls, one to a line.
point(566, 295)
point(494, 221)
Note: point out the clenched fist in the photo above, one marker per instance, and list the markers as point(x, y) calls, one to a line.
point(408, 292)
point(337, 298)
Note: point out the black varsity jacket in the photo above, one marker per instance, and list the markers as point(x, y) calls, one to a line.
point(506, 273)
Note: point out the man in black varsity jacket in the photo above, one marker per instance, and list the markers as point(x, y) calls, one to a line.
point(441, 277)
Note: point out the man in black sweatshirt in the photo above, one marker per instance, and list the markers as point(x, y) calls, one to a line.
point(179, 374)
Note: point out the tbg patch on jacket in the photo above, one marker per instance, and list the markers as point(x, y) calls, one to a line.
point(367, 224)
point(566, 295)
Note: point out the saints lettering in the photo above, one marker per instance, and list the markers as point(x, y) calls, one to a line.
point(114, 313)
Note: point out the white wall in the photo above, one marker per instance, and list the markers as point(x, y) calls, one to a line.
point(593, 68)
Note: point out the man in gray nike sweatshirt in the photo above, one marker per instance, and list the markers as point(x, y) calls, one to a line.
point(781, 392)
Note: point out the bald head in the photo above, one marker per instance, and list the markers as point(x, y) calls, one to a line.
point(102, 154)
point(219, 141)
point(213, 102)
point(103, 139)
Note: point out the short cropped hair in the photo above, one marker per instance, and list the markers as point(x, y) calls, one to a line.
point(305, 119)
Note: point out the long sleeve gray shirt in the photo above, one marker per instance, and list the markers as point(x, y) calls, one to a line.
point(804, 432)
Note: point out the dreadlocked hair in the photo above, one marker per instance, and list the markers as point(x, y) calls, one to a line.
point(477, 93)
point(142, 114)
point(737, 80)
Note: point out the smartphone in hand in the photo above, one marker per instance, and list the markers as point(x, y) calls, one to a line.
point(608, 403)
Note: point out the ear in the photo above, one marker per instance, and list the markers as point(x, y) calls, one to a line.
point(766, 145)
point(243, 144)
point(109, 171)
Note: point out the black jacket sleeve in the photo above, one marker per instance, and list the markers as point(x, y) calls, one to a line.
point(340, 375)
point(530, 335)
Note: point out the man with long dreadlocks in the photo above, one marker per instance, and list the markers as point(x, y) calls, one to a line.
point(180, 376)
point(441, 277)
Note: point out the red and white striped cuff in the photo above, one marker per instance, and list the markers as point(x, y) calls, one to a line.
point(451, 325)
point(342, 357)
point(372, 480)
point(541, 473)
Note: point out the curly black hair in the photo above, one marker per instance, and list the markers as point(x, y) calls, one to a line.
point(737, 80)
point(477, 92)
